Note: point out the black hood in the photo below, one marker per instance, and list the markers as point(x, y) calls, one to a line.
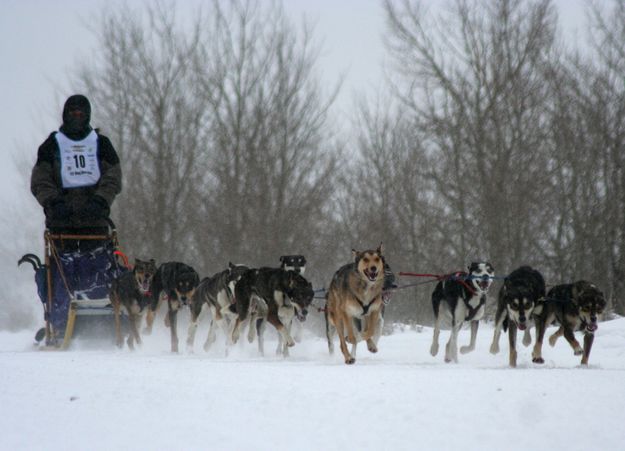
point(76, 126)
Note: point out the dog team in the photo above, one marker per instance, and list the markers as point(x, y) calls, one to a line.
point(355, 302)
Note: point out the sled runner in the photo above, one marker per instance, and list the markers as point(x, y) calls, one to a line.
point(73, 285)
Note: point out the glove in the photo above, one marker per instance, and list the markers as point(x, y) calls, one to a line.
point(58, 210)
point(95, 208)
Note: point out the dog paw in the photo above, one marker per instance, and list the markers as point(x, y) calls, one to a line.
point(552, 341)
point(434, 350)
point(494, 349)
point(578, 351)
point(539, 360)
point(372, 347)
point(147, 331)
point(350, 361)
point(465, 349)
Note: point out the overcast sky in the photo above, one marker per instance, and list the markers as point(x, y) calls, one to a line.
point(40, 40)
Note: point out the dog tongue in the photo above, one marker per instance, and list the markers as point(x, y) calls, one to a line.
point(592, 327)
point(522, 327)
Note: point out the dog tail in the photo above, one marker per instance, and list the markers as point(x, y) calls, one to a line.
point(32, 259)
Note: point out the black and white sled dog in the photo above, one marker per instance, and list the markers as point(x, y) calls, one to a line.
point(216, 292)
point(521, 301)
point(461, 297)
point(295, 263)
point(274, 295)
point(574, 306)
point(175, 282)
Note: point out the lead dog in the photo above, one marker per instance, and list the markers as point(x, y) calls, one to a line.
point(355, 293)
point(131, 291)
point(462, 297)
point(521, 300)
point(177, 282)
point(272, 294)
point(217, 292)
point(574, 306)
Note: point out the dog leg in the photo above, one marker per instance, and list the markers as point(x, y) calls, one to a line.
point(330, 332)
point(451, 350)
point(261, 336)
point(541, 328)
point(134, 319)
point(588, 340)
point(275, 321)
point(191, 332)
point(554, 337)
point(340, 330)
point(475, 324)
point(512, 342)
point(527, 337)
point(435, 336)
point(118, 328)
point(494, 347)
point(171, 318)
point(212, 336)
point(150, 316)
point(252, 330)
point(570, 337)
point(371, 327)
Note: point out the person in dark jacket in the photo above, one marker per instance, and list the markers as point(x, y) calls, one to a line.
point(77, 174)
point(75, 179)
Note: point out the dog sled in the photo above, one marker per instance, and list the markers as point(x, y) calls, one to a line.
point(73, 285)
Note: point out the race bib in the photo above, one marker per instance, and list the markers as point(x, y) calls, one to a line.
point(79, 160)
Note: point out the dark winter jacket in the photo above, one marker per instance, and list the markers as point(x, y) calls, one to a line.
point(46, 185)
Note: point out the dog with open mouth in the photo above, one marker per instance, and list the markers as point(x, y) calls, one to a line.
point(575, 307)
point(355, 294)
point(521, 300)
point(461, 297)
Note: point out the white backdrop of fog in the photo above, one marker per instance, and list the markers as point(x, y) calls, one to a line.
point(41, 41)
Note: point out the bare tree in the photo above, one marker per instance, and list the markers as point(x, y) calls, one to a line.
point(474, 83)
point(223, 132)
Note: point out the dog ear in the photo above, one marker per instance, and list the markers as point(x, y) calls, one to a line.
point(379, 249)
point(355, 254)
point(281, 258)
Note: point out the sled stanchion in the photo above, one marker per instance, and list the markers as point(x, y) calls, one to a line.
point(49, 331)
point(69, 328)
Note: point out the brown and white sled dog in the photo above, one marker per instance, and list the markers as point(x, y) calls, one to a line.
point(131, 291)
point(216, 292)
point(461, 297)
point(355, 294)
point(521, 300)
point(574, 306)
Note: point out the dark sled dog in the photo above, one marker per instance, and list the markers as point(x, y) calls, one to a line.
point(295, 263)
point(575, 307)
point(216, 292)
point(131, 291)
point(521, 300)
point(274, 295)
point(177, 282)
point(355, 294)
point(462, 297)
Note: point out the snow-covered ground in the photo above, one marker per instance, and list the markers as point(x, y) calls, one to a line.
point(400, 398)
